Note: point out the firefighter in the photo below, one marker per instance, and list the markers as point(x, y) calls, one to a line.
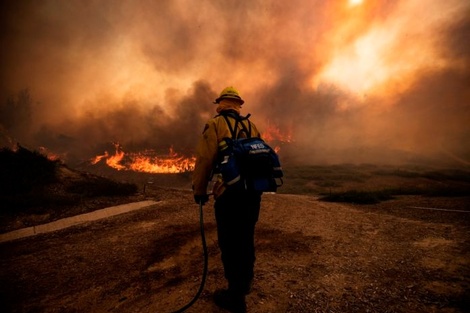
point(236, 212)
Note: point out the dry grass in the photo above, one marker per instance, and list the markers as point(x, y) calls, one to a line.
point(367, 184)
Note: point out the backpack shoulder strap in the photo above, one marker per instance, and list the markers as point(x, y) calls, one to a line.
point(238, 120)
point(233, 130)
point(246, 130)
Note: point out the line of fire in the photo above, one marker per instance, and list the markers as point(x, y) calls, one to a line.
point(151, 161)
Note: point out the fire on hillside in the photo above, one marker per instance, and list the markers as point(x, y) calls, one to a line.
point(148, 161)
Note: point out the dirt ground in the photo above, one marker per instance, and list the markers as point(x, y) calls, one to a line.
point(312, 256)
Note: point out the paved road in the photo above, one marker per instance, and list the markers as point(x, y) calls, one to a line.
point(74, 220)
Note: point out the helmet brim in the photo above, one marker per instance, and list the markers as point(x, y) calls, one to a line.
point(229, 97)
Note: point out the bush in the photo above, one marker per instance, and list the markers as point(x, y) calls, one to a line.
point(22, 170)
point(450, 174)
point(448, 191)
point(99, 186)
point(359, 197)
point(35, 202)
point(29, 183)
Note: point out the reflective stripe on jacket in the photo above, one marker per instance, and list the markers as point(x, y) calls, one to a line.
point(215, 131)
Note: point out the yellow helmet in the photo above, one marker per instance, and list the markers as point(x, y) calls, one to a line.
point(229, 93)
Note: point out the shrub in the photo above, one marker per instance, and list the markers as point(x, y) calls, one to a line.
point(99, 186)
point(359, 197)
point(22, 170)
point(450, 174)
point(448, 191)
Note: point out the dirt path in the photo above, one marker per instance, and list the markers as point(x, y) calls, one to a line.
point(311, 257)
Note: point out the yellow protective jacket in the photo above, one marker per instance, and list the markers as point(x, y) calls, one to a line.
point(215, 131)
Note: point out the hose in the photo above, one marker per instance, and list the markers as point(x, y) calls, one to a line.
point(204, 272)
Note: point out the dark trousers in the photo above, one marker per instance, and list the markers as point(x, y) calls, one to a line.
point(236, 214)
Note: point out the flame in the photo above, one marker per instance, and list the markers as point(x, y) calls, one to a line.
point(273, 133)
point(50, 155)
point(98, 158)
point(148, 161)
point(114, 160)
point(173, 164)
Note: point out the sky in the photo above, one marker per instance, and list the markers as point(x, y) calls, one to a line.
point(343, 81)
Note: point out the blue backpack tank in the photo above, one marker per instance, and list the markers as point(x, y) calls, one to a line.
point(246, 162)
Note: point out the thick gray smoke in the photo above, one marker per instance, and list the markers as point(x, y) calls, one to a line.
point(79, 75)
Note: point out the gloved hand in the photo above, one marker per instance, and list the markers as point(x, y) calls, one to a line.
point(201, 199)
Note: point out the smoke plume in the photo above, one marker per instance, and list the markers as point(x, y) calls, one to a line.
point(348, 81)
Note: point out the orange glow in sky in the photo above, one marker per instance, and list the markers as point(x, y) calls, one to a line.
point(149, 48)
point(355, 2)
point(145, 73)
point(391, 53)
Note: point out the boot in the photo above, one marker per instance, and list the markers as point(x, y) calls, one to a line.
point(244, 288)
point(232, 302)
point(247, 290)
